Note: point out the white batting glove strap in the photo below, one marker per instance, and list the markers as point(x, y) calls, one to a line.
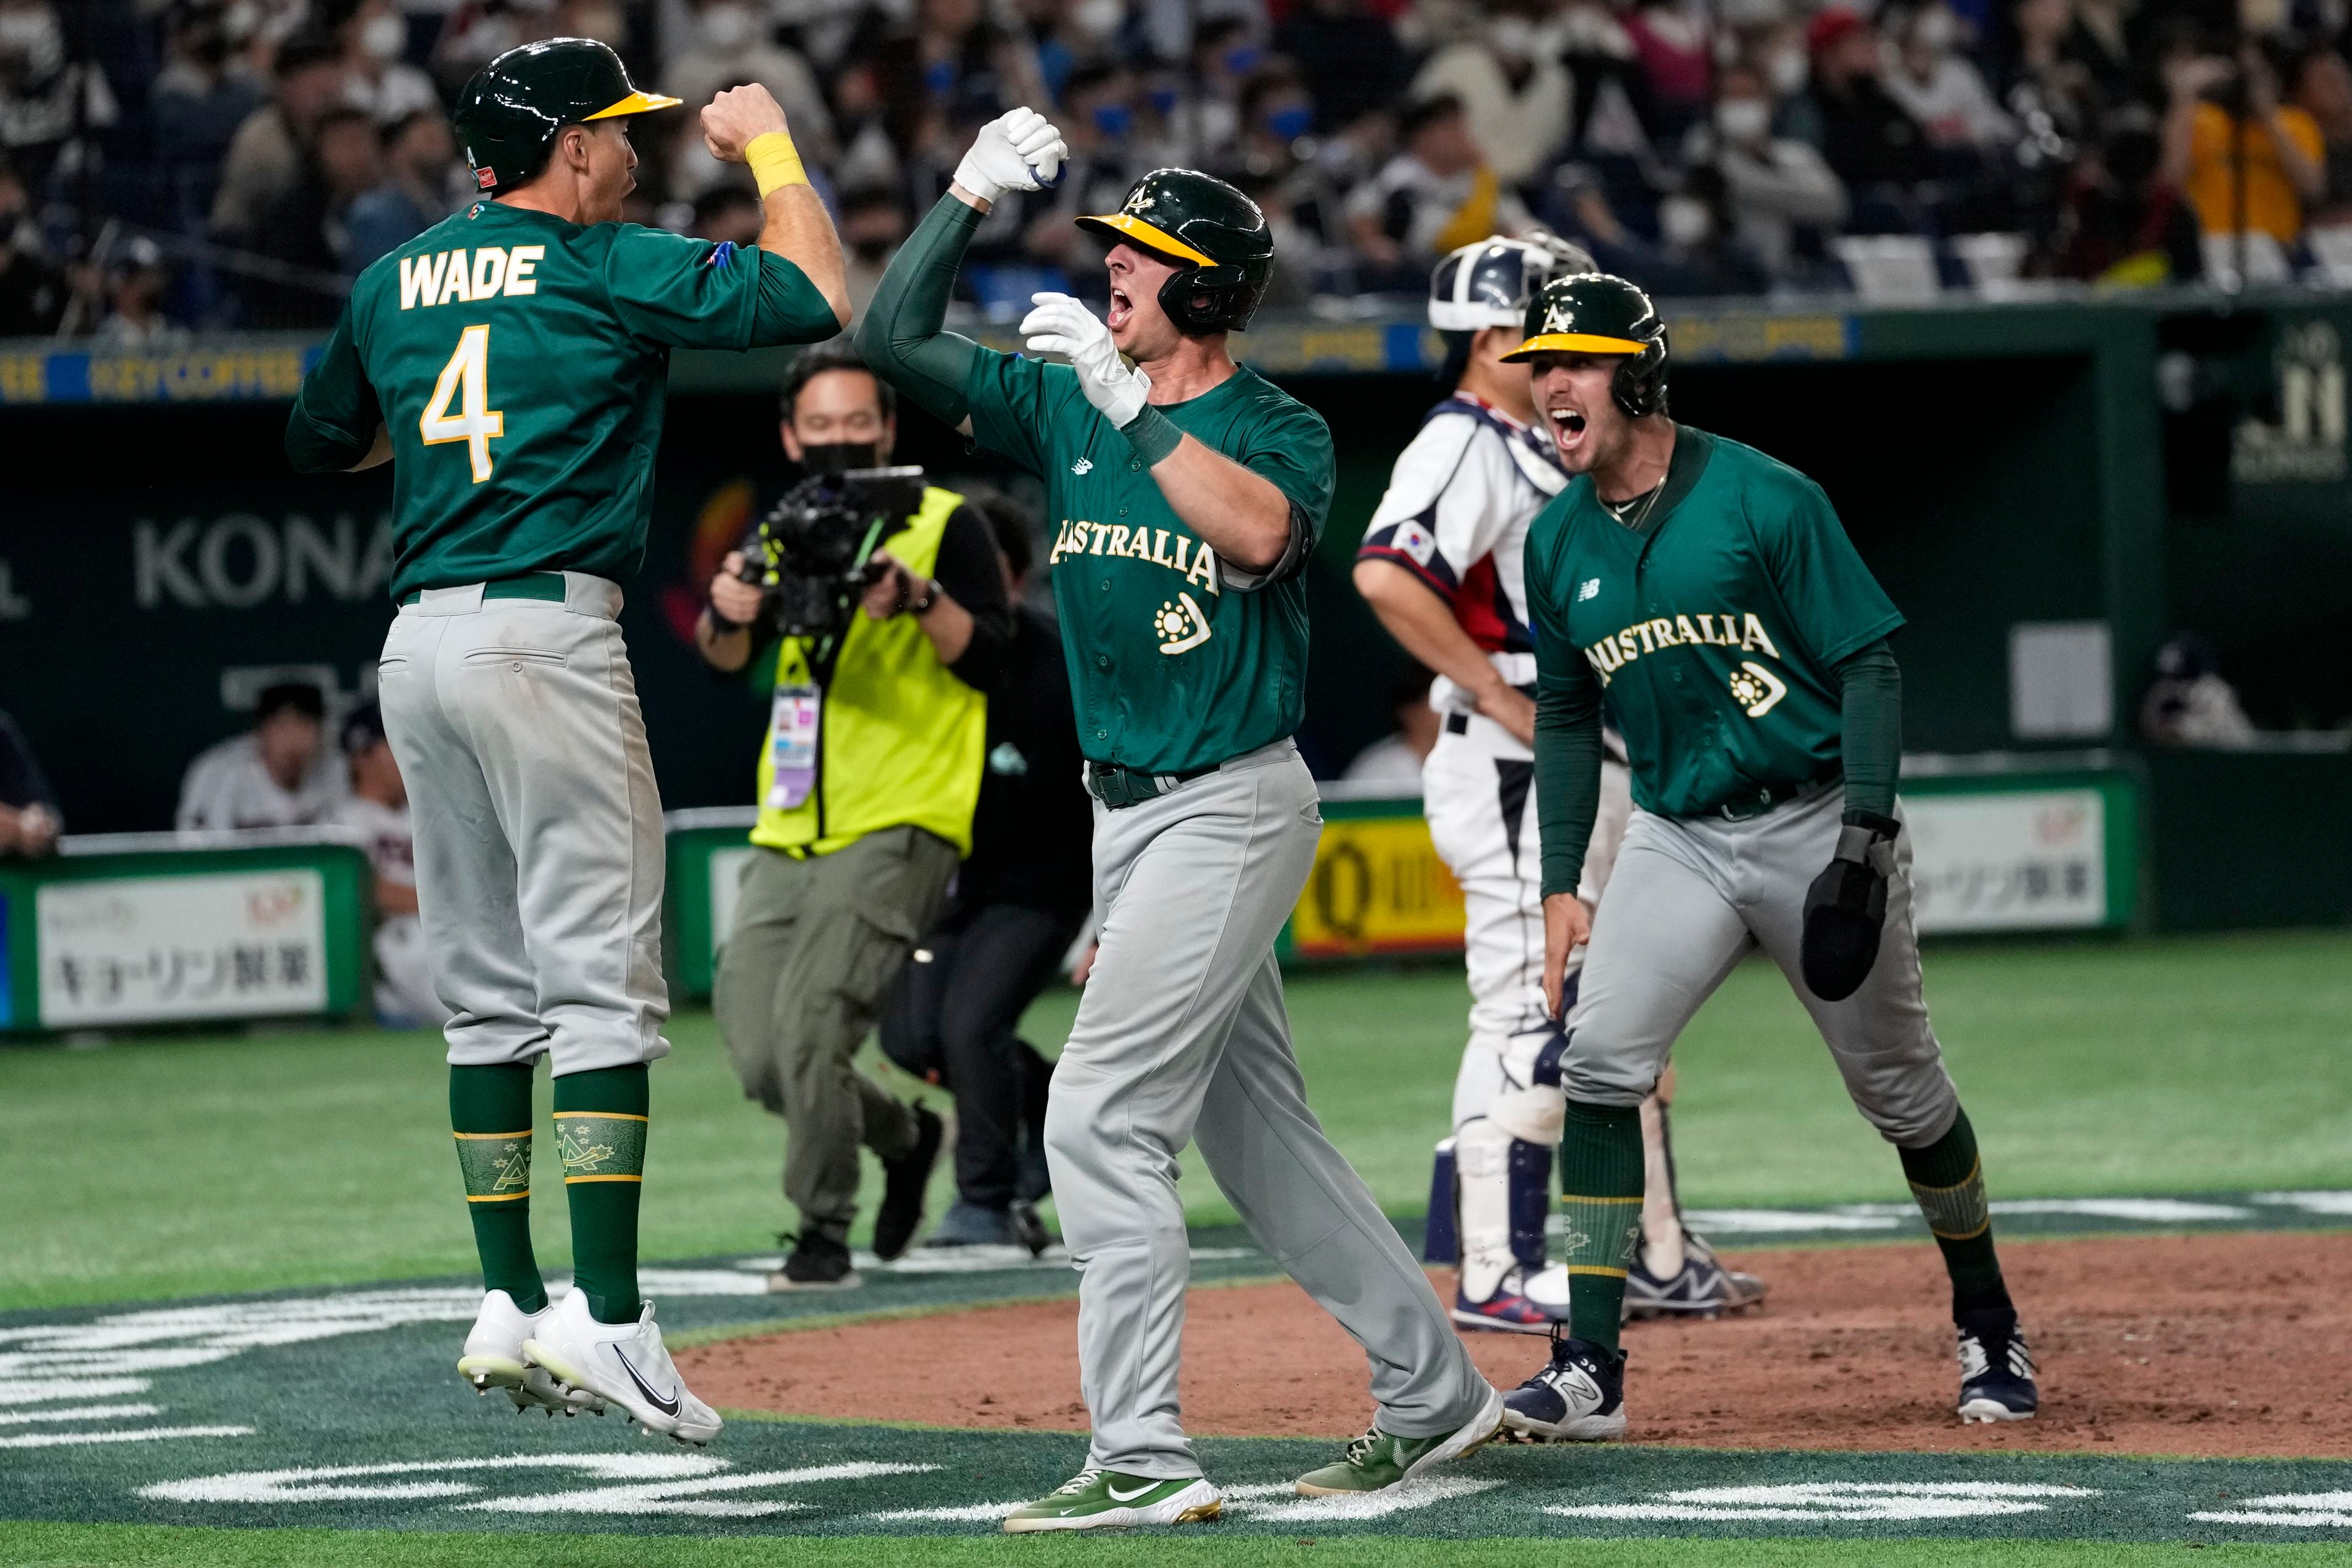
point(1018, 151)
point(1061, 325)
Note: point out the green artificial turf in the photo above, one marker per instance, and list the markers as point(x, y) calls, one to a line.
point(173, 1164)
point(156, 1546)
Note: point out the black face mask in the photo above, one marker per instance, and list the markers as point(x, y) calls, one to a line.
point(834, 458)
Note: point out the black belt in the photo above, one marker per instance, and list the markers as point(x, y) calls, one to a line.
point(1459, 723)
point(1120, 787)
point(1764, 797)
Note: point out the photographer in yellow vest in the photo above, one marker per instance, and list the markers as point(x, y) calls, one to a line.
point(880, 603)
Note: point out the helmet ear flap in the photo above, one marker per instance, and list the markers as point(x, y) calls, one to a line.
point(1639, 385)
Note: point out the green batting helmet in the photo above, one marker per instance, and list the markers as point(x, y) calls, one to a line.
point(1217, 235)
point(509, 115)
point(1600, 313)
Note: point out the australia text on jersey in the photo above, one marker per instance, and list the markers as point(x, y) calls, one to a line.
point(1758, 689)
point(1194, 561)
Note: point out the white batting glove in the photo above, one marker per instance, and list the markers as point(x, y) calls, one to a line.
point(1061, 325)
point(1018, 151)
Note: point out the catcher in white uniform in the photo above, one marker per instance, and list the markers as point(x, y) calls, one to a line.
point(1440, 565)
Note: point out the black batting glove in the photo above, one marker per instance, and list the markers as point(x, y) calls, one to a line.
point(1846, 909)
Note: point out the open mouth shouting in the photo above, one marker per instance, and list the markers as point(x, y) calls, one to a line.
point(1122, 309)
point(1567, 428)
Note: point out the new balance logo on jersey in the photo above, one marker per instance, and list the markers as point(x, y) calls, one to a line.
point(1745, 633)
point(1589, 587)
point(1196, 562)
point(1083, 466)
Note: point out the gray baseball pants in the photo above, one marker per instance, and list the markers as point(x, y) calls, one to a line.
point(539, 830)
point(1182, 1035)
point(1689, 897)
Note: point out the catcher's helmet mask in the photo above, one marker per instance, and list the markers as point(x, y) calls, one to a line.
point(510, 113)
point(1602, 314)
point(1215, 238)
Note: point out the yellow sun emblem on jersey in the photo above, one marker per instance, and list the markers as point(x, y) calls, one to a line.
point(1180, 624)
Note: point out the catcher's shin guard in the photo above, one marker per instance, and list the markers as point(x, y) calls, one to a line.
point(1439, 1242)
point(1503, 1188)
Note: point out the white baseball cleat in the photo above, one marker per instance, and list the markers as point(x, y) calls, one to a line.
point(621, 1363)
point(493, 1358)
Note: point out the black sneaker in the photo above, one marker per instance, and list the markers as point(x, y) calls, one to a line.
point(904, 1180)
point(1030, 1230)
point(1703, 1289)
point(1580, 1398)
point(816, 1263)
point(1996, 1369)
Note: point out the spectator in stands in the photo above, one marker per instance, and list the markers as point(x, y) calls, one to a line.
point(1353, 62)
point(1781, 197)
point(29, 819)
point(135, 279)
point(728, 42)
point(1514, 91)
point(275, 775)
point(1277, 115)
point(1940, 86)
point(1867, 138)
point(31, 286)
point(2246, 160)
point(953, 62)
point(1298, 280)
point(873, 226)
point(2125, 225)
point(202, 95)
point(421, 184)
point(45, 97)
point(1097, 122)
point(1393, 762)
point(1676, 51)
point(377, 78)
point(728, 213)
point(265, 157)
point(1225, 54)
point(1435, 195)
point(305, 234)
point(377, 810)
point(2099, 44)
point(2322, 88)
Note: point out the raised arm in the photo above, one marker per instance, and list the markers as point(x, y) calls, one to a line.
point(746, 125)
point(903, 337)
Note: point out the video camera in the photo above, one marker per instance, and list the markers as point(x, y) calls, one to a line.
point(811, 554)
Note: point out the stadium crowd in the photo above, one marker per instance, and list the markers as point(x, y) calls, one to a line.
point(202, 164)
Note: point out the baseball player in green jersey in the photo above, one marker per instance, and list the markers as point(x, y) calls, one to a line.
point(511, 362)
point(1185, 494)
point(1710, 598)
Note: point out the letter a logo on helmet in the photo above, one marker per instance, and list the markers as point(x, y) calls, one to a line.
point(509, 115)
point(1216, 236)
point(1601, 313)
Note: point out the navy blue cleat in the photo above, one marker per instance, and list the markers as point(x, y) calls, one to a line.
point(1579, 1398)
point(1996, 1369)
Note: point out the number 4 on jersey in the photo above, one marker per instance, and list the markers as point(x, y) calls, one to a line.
point(465, 381)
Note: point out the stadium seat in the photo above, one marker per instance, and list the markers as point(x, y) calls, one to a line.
point(1889, 269)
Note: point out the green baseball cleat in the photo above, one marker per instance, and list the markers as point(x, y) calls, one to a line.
point(1376, 1462)
point(1097, 1499)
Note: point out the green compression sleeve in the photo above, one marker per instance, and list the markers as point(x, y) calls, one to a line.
point(1568, 774)
point(1871, 703)
point(902, 337)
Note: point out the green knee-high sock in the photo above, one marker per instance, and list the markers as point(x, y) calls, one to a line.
point(490, 1109)
point(600, 1130)
point(1601, 1187)
point(1948, 1179)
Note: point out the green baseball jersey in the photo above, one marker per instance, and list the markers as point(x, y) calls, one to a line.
point(1174, 666)
point(521, 363)
point(1712, 627)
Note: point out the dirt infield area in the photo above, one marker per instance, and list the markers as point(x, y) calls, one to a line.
point(2211, 1346)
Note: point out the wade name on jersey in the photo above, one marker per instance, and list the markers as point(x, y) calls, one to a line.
point(482, 273)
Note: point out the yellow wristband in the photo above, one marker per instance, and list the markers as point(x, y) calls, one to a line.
point(775, 162)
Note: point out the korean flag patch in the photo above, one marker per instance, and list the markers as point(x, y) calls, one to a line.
point(1415, 541)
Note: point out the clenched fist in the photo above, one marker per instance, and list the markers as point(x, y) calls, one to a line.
point(736, 116)
point(1018, 151)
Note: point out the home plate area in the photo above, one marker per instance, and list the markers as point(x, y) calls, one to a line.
point(2182, 1402)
